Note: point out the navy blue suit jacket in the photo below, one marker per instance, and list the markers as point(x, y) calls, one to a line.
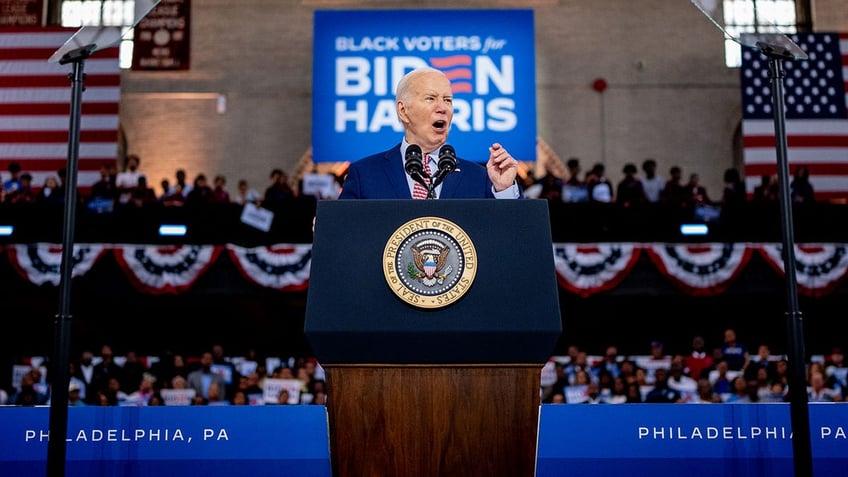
point(381, 176)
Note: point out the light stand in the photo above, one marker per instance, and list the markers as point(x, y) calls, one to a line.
point(56, 449)
point(800, 418)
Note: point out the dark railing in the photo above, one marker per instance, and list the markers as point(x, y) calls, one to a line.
point(220, 223)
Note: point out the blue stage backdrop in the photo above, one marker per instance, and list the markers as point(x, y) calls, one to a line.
point(360, 55)
point(651, 440)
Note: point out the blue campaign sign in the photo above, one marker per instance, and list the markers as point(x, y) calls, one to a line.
point(709, 440)
point(360, 55)
point(213, 441)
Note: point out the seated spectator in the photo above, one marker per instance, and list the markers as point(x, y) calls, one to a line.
point(599, 187)
point(735, 353)
point(184, 187)
point(219, 194)
point(13, 183)
point(279, 191)
point(574, 189)
point(551, 188)
point(239, 398)
point(174, 197)
point(27, 393)
point(836, 371)
point(652, 183)
point(634, 393)
point(680, 381)
point(766, 190)
point(740, 392)
point(142, 195)
point(695, 194)
point(734, 194)
point(74, 398)
point(200, 194)
point(801, 188)
point(629, 191)
point(661, 392)
point(215, 396)
point(246, 194)
point(24, 194)
point(698, 360)
point(761, 360)
point(706, 395)
point(721, 379)
point(103, 192)
point(608, 364)
point(618, 392)
point(50, 192)
point(143, 392)
point(127, 180)
point(673, 192)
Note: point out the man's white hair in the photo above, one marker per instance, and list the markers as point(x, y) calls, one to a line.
point(402, 93)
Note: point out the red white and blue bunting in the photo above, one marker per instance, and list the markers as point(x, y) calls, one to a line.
point(819, 268)
point(282, 267)
point(41, 263)
point(165, 269)
point(584, 269)
point(700, 269)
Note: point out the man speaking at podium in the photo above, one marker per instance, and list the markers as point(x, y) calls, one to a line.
point(423, 165)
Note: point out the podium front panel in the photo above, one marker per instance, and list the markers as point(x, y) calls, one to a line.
point(508, 314)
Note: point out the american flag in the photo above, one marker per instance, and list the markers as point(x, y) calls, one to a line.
point(35, 101)
point(815, 112)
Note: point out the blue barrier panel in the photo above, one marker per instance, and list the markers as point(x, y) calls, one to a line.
point(652, 440)
point(691, 440)
point(211, 441)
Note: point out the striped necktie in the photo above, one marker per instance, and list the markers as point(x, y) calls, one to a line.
point(419, 191)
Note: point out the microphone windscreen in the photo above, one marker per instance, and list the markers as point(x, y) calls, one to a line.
point(447, 158)
point(414, 162)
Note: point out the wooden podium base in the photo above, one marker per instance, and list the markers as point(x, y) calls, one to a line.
point(433, 420)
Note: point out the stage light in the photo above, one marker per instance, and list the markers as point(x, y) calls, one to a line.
point(172, 230)
point(694, 229)
point(6, 230)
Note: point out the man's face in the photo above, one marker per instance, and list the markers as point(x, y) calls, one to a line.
point(428, 111)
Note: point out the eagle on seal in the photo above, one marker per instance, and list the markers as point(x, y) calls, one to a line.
point(430, 263)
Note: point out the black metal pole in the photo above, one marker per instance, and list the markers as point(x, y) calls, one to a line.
point(56, 450)
point(799, 410)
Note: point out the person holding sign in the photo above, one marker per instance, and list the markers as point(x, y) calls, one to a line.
point(423, 165)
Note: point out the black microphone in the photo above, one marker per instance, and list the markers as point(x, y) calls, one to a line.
point(447, 164)
point(414, 164)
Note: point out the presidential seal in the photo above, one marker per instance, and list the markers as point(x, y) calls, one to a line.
point(429, 262)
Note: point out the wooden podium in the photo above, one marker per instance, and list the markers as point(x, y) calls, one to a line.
point(442, 382)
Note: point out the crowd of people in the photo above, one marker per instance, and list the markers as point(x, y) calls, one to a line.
point(132, 188)
point(725, 373)
point(649, 186)
point(172, 379)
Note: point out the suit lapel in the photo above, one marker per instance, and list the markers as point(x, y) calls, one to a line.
point(451, 185)
point(393, 168)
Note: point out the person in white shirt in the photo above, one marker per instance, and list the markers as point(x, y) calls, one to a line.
point(127, 181)
point(652, 184)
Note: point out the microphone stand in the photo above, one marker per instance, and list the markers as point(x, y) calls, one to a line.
point(431, 187)
point(799, 410)
point(58, 426)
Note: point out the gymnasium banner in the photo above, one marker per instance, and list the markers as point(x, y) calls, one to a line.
point(360, 55)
